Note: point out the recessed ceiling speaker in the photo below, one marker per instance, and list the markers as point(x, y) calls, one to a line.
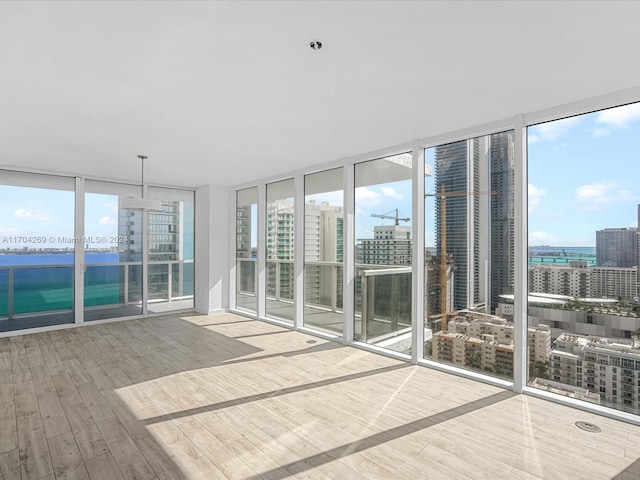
point(315, 45)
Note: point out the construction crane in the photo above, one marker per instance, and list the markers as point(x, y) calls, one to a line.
point(443, 244)
point(395, 217)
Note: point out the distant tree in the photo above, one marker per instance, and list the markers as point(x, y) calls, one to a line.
point(539, 369)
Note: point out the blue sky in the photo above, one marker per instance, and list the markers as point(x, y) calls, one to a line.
point(37, 212)
point(584, 175)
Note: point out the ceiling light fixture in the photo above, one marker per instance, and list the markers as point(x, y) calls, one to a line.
point(135, 203)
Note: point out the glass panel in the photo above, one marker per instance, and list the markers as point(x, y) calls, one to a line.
point(323, 250)
point(280, 247)
point(158, 282)
point(42, 289)
point(4, 293)
point(246, 248)
point(469, 236)
point(170, 251)
point(113, 238)
point(383, 209)
point(37, 242)
point(134, 283)
point(583, 257)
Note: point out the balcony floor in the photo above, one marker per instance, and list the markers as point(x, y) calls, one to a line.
point(193, 396)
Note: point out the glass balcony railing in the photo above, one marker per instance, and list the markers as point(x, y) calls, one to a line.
point(383, 304)
point(35, 288)
point(35, 296)
point(383, 298)
point(323, 296)
point(48, 290)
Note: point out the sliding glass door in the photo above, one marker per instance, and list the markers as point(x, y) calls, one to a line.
point(170, 250)
point(37, 246)
point(112, 253)
point(115, 262)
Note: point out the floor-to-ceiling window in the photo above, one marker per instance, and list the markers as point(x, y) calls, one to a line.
point(37, 245)
point(323, 250)
point(383, 209)
point(170, 250)
point(469, 254)
point(112, 252)
point(48, 257)
point(280, 250)
point(246, 248)
point(584, 209)
point(583, 323)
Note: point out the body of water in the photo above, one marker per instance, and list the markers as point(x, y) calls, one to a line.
point(549, 255)
point(43, 282)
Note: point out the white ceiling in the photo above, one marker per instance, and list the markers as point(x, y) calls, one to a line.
point(226, 92)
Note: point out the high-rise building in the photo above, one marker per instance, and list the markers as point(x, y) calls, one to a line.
point(573, 280)
point(457, 171)
point(323, 249)
point(502, 181)
point(280, 248)
point(480, 208)
point(166, 244)
point(615, 282)
point(390, 245)
point(610, 368)
point(617, 247)
point(323, 232)
point(243, 231)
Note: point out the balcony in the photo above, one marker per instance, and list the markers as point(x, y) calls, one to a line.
point(383, 298)
point(43, 295)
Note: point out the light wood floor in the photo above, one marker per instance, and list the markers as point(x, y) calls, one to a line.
point(214, 397)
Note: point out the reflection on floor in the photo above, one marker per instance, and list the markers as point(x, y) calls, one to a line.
point(224, 397)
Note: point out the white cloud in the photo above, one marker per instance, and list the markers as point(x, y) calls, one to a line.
point(31, 214)
point(620, 117)
point(390, 193)
point(596, 193)
point(600, 132)
point(541, 238)
point(552, 130)
point(535, 195)
point(532, 138)
point(366, 196)
point(107, 221)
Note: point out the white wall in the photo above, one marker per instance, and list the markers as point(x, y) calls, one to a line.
point(212, 249)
